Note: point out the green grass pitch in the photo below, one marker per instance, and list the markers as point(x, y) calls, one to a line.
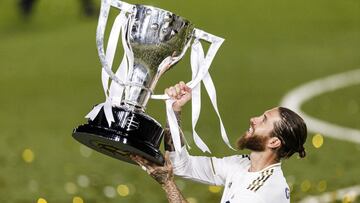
point(50, 79)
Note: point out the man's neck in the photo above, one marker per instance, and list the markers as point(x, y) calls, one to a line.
point(261, 160)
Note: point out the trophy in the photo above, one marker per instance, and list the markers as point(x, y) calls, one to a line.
point(153, 40)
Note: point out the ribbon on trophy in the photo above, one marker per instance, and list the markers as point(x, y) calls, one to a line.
point(200, 64)
point(114, 94)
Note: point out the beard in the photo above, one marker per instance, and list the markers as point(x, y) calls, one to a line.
point(253, 142)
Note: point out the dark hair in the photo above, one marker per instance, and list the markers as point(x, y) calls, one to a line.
point(292, 132)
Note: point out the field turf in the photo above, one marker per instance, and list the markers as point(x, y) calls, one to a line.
point(50, 79)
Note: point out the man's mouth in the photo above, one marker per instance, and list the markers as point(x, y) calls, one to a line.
point(250, 131)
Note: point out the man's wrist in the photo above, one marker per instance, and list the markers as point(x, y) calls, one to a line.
point(168, 184)
point(176, 109)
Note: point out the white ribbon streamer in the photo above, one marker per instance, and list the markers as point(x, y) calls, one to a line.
point(210, 87)
point(200, 65)
point(116, 90)
point(173, 125)
point(197, 57)
point(113, 97)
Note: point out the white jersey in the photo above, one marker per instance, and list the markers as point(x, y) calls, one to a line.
point(240, 185)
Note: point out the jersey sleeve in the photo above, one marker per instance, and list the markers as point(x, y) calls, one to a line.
point(208, 170)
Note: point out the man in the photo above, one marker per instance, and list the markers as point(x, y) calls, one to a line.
point(256, 178)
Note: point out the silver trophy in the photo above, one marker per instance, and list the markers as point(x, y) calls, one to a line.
point(153, 39)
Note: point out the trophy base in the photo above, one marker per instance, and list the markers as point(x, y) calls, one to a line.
point(131, 133)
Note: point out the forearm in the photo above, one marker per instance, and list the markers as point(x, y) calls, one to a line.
point(196, 168)
point(168, 142)
point(173, 193)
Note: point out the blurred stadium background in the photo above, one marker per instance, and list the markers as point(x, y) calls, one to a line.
point(50, 79)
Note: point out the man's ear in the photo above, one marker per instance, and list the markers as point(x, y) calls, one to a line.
point(274, 143)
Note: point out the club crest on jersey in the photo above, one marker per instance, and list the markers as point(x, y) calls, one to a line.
point(287, 193)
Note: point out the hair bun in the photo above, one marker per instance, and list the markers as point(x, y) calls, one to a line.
point(302, 152)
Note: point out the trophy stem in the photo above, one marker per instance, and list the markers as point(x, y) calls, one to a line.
point(132, 106)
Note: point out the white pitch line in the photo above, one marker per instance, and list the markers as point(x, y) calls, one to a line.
point(350, 192)
point(295, 98)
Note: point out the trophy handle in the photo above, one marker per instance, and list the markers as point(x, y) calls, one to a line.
point(100, 32)
point(107, 59)
point(202, 71)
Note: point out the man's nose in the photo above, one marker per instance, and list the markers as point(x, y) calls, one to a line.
point(253, 121)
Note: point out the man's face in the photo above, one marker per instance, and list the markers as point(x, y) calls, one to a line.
point(256, 137)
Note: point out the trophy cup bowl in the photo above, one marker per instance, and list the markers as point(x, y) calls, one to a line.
point(153, 35)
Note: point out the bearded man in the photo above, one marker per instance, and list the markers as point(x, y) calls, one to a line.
point(255, 178)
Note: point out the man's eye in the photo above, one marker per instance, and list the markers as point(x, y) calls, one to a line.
point(264, 118)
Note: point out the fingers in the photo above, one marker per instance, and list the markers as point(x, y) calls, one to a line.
point(178, 90)
point(143, 167)
point(146, 165)
point(182, 84)
point(160, 173)
point(136, 159)
point(184, 88)
point(167, 91)
point(142, 162)
point(171, 92)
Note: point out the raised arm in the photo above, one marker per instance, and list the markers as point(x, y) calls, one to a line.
point(164, 174)
point(208, 170)
point(168, 142)
point(197, 168)
point(181, 94)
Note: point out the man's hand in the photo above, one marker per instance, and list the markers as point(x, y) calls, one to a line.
point(162, 174)
point(181, 93)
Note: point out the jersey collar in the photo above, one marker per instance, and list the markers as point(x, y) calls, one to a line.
point(266, 168)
